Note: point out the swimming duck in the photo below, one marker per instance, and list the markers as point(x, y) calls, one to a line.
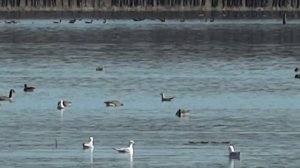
point(166, 98)
point(8, 98)
point(182, 113)
point(232, 153)
point(128, 149)
point(89, 145)
point(113, 103)
point(28, 88)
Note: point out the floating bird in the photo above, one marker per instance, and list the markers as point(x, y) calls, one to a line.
point(28, 88)
point(72, 21)
point(113, 103)
point(100, 68)
point(62, 104)
point(182, 113)
point(162, 19)
point(89, 22)
point(56, 22)
point(182, 20)
point(89, 145)
point(232, 153)
point(128, 149)
point(138, 19)
point(166, 98)
point(297, 74)
point(104, 21)
point(8, 98)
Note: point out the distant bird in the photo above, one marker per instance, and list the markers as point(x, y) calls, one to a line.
point(284, 18)
point(113, 103)
point(89, 22)
point(162, 19)
point(297, 73)
point(138, 19)
point(72, 21)
point(89, 145)
point(56, 22)
point(28, 88)
point(100, 68)
point(62, 104)
point(8, 98)
point(232, 153)
point(182, 113)
point(182, 20)
point(166, 98)
point(104, 21)
point(128, 149)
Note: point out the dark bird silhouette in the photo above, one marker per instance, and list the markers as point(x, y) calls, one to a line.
point(28, 88)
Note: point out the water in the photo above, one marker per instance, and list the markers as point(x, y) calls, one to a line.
point(236, 77)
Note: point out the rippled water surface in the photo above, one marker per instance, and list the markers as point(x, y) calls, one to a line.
point(236, 77)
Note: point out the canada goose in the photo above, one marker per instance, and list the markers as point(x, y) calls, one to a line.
point(166, 98)
point(113, 103)
point(28, 88)
point(232, 153)
point(8, 98)
point(128, 149)
point(89, 145)
point(182, 113)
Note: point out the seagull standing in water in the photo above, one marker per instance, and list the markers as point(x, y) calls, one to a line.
point(89, 145)
point(128, 149)
point(232, 153)
point(62, 104)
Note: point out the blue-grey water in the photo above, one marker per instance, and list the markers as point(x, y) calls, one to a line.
point(236, 77)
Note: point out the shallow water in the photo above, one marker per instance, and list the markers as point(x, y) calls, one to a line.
point(236, 77)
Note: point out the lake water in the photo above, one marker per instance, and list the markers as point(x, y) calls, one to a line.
point(236, 77)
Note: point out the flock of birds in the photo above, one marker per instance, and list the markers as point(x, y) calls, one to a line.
point(62, 104)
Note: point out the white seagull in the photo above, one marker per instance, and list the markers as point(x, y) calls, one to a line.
point(113, 103)
point(89, 145)
point(128, 149)
point(166, 98)
point(62, 104)
point(232, 153)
